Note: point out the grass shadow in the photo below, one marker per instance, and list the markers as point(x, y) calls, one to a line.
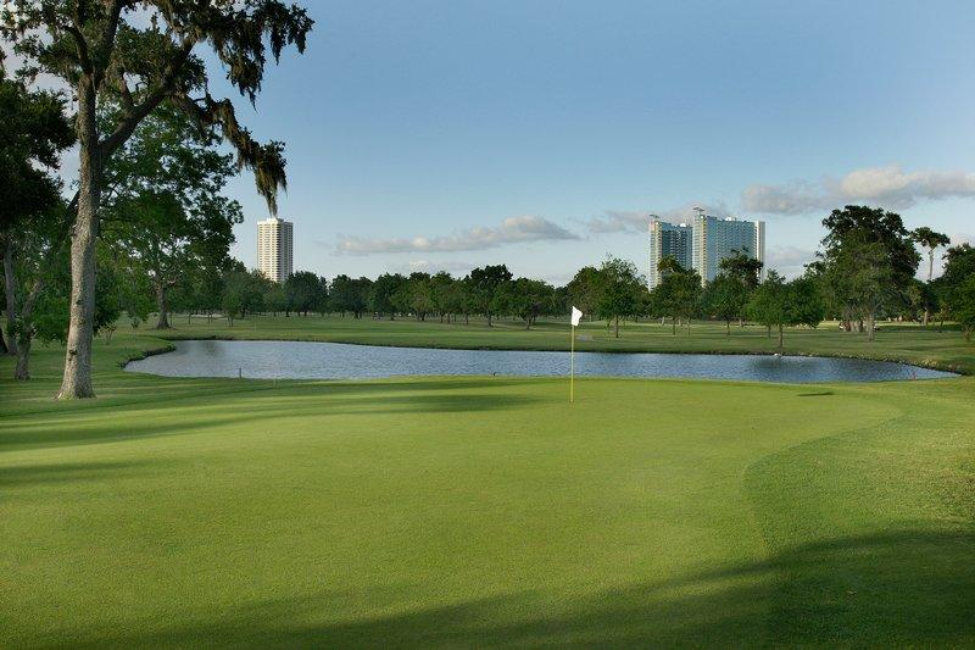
point(902, 588)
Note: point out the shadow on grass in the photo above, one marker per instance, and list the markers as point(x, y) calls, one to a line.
point(61, 473)
point(318, 402)
point(909, 587)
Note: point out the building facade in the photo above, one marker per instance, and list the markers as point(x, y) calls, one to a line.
point(275, 248)
point(703, 244)
point(716, 239)
point(668, 240)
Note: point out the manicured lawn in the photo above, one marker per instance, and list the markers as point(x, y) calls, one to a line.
point(487, 511)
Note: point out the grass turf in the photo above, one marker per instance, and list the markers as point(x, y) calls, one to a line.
point(484, 511)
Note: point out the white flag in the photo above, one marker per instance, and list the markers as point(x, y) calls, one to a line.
point(576, 316)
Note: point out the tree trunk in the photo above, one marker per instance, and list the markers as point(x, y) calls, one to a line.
point(617, 327)
point(10, 290)
point(781, 336)
point(76, 383)
point(3, 343)
point(673, 326)
point(22, 372)
point(489, 319)
point(163, 322)
point(727, 331)
point(870, 326)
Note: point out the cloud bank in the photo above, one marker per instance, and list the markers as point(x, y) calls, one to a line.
point(890, 187)
point(514, 230)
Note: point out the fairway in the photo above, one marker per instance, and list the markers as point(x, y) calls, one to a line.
point(484, 511)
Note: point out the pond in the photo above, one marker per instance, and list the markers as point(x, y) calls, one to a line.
point(305, 360)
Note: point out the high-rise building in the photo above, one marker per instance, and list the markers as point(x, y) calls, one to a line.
point(275, 250)
point(716, 239)
point(702, 244)
point(667, 240)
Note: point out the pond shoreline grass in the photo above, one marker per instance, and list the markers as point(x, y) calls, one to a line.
point(483, 511)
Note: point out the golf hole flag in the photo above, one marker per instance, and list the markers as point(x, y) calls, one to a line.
point(576, 317)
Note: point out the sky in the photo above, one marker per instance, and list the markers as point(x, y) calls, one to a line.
point(446, 134)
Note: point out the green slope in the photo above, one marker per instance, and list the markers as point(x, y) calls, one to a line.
point(484, 511)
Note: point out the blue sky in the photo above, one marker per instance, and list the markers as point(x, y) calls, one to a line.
point(446, 134)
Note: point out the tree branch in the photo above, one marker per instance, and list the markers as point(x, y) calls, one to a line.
point(133, 117)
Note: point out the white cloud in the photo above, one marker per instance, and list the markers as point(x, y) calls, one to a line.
point(790, 261)
point(797, 198)
point(636, 221)
point(958, 238)
point(890, 187)
point(428, 266)
point(513, 230)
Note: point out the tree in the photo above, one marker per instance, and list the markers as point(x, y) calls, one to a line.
point(932, 241)
point(441, 285)
point(953, 285)
point(382, 299)
point(50, 321)
point(164, 206)
point(322, 297)
point(963, 306)
point(483, 286)
point(744, 267)
point(237, 286)
point(350, 295)
point(103, 54)
point(679, 293)
point(585, 289)
point(777, 304)
point(302, 289)
point(747, 271)
point(621, 284)
point(805, 304)
point(530, 298)
point(34, 133)
point(882, 235)
point(868, 263)
point(725, 298)
point(417, 295)
point(275, 298)
point(769, 303)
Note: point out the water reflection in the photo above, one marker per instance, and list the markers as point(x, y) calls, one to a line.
point(304, 360)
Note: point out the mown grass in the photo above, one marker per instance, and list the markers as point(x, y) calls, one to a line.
point(485, 510)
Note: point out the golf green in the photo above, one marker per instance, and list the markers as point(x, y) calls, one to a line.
point(484, 512)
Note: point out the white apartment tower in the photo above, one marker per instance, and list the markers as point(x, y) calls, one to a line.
point(702, 244)
point(275, 250)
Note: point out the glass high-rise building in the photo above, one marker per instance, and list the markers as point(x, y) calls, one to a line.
point(703, 244)
point(275, 249)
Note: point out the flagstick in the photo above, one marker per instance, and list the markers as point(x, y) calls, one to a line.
point(572, 364)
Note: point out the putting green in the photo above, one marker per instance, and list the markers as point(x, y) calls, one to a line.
point(485, 511)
